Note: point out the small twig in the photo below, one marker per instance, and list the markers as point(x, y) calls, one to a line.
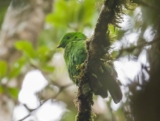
point(55, 96)
point(129, 49)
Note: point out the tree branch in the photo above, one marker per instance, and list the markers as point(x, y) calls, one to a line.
point(54, 97)
point(97, 46)
point(130, 49)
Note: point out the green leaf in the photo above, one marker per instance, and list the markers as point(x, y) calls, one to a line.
point(43, 50)
point(85, 13)
point(3, 69)
point(115, 54)
point(62, 14)
point(47, 68)
point(44, 53)
point(79, 15)
point(26, 47)
point(17, 67)
point(13, 92)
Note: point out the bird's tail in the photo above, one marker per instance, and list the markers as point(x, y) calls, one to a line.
point(112, 85)
point(114, 90)
point(103, 80)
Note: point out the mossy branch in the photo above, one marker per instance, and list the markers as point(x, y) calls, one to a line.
point(97, 47)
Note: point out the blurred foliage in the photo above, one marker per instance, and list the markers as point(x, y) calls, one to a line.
point(3, 7)
point(81, 15)
point(3, 69)
point(77, 18)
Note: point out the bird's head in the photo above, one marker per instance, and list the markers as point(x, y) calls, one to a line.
point(70, 37)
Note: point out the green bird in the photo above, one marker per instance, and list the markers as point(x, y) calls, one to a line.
point(75, 53)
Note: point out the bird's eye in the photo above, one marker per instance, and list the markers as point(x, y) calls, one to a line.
point(68, 37)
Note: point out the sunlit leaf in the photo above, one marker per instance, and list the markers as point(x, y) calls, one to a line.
point(113, 32)
point(26, 47)
point(13, 92)
point(47, 68)
point(44, 53)
point(17, 67)
point(43, 50)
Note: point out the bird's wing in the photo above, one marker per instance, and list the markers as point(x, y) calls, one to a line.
point(75, 53)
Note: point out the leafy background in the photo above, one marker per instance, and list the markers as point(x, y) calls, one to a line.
point(46, 91)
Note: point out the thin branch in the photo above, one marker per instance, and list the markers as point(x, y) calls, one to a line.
point(130, 49)
point(54, 97)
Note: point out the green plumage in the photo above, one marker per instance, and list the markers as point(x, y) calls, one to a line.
point(75, 54)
